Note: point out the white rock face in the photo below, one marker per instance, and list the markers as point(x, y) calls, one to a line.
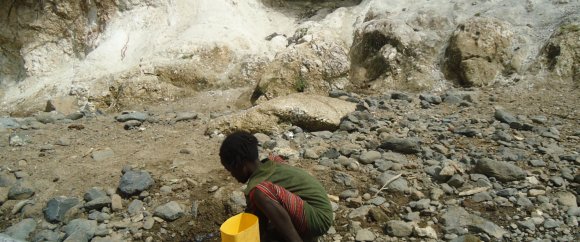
point(61, 47)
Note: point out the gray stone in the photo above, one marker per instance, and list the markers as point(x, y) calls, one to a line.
point(348, 149)
point(465, 238)
point(94, 193)
point(399, 228)
point(134, 182)
point(365, 235)
point(426, 232)
point(527, 224)
point(420, 205)
point(194, 209)
point(400, 184)
point(557, 181)
point(383, 165)
point(101, 230)
point(539, 119)
point(456, 181)
point(507, 192)
point(323, 134)
point(57, 207)
point(469, 132)
point(350, 193)
point(552, 223)
point(377, 201)
point(16, 139)
point(100, 217)
point(456, 219)
point(22, 229)
point(9, 123)
point(362, 211)
point(3, 194)
point(46, 235)
point(368, 157)
point(413, 216)
point(395, 157)
point(132, 124)
point(504, 116)
point(502, 135)
point(342, 178)
point(378, 215)
point(447, 189)
point(49, 117)
point(63, 141)
point(6, 238)
point(537, 163)
point(566, 199)
point(21, 190)
point(100, 155)
point(237, 201)
point(401, 96)
point(80, 230)
point(98, 203)
point(502, 171)
point(262, 138)
point(482, 196)
point(185, 116)
point(165, 190)
point(7, 179)
point(310, 154)
point(436, 193)
point(148, 223)
point(135, 207)
point(75, 116)
point(169, 211)
point(431, 98)
point(405, 146)
point(347, 126)
point(524, 202)
point(126, 116)
point(331, 153)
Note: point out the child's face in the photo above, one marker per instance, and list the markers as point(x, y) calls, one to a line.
point(241, 172)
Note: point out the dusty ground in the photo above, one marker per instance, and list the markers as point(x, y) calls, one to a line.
point(181, 153)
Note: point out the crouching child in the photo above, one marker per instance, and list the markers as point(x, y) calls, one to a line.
point(291, 204)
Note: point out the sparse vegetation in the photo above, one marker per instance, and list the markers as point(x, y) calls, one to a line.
point(570, 28)
point(300, 84)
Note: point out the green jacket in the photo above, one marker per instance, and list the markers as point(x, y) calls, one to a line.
point(317, 209)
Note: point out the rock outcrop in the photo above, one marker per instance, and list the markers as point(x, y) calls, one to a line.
point(388, 52)
point(480, 50)
point(560, 57)
point(310, 66)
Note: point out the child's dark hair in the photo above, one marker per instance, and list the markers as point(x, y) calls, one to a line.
point(239, 147)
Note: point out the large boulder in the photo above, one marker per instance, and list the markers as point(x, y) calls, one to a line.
point(311, 112)
point(310, 66)
point(391, 53)
point(480, 50)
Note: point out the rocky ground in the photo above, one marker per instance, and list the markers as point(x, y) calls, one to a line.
point(461, 165)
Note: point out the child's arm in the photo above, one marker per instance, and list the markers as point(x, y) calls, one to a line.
point(277, 215)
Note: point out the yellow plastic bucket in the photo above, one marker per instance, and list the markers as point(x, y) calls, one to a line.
point(243, 227)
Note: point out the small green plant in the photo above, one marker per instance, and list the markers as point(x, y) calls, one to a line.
point(570, 28)
point(300, 84)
